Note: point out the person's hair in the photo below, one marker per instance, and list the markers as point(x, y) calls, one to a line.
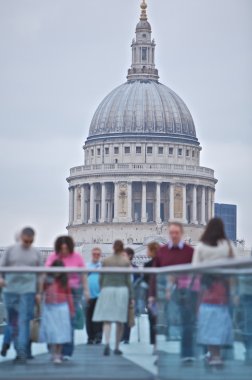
point(28, 231)
point(130, 251)
point(64, 240)
point(62, 278)
point(96, 249)
point(118, 246)
point(153, 247)
point(214, 232)
point(177, 224)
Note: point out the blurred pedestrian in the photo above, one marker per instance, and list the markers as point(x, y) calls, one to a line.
point(58, 308)
point(7, 330)
point(177, 252)
point(214, 320)
point(116, 295)
point(20, 290)
point(94, 329)
point(64, 251)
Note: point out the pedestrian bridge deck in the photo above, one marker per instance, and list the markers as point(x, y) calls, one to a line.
point(89, 363)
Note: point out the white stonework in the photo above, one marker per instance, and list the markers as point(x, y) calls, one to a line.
point(130, 233)
point(141, 161)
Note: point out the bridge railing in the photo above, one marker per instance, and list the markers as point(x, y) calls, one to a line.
point(196, 319)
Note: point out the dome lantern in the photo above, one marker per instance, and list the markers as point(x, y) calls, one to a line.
point(143, 51)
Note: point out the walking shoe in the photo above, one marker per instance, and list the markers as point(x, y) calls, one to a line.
point(106, 350)
point(5, 349)
point(57, 360)
point(97, 341)
point(19, 360)
point(214, 362)
point(218, 362)
point(66, 358)
point(187, 360)
point(118, 352)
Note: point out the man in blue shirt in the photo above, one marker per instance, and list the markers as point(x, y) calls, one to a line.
point(94, 329)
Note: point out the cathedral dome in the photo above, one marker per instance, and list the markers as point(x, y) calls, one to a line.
point(144, 107)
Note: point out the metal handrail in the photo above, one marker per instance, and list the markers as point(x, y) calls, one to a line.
point(221, 266)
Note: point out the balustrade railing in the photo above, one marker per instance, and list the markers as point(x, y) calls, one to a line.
point(158, 168)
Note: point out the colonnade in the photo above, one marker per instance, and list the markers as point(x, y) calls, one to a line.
point(146, 202)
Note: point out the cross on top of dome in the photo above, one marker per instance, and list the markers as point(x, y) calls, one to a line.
point(144, 6)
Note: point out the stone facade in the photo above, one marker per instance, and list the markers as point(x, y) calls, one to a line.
point(131, 233)
point(141, 161)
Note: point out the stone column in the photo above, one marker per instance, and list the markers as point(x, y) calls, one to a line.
point(115, 220)
point(129, 202)
point(194, 205)
point(110, 211)
point(103, 202)
point(158, 202)
point(143, 218)
point(203, 206)
point(91, 213)
point(171, 204)
point(213, 208)
point(184, 217)
point(209, 203)
point(83, 220)
point(71, 205)
point(75, 204)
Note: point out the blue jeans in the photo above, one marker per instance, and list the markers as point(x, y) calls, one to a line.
point(20, 311)
point(246, 303)
point(7, 335)
point(68, 348)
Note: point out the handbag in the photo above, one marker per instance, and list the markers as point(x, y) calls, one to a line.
point(78, 321)
point(35, 326)
point(131, 315)
point(34, 330)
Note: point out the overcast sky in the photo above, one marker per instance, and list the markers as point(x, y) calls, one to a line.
point(59, 58)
